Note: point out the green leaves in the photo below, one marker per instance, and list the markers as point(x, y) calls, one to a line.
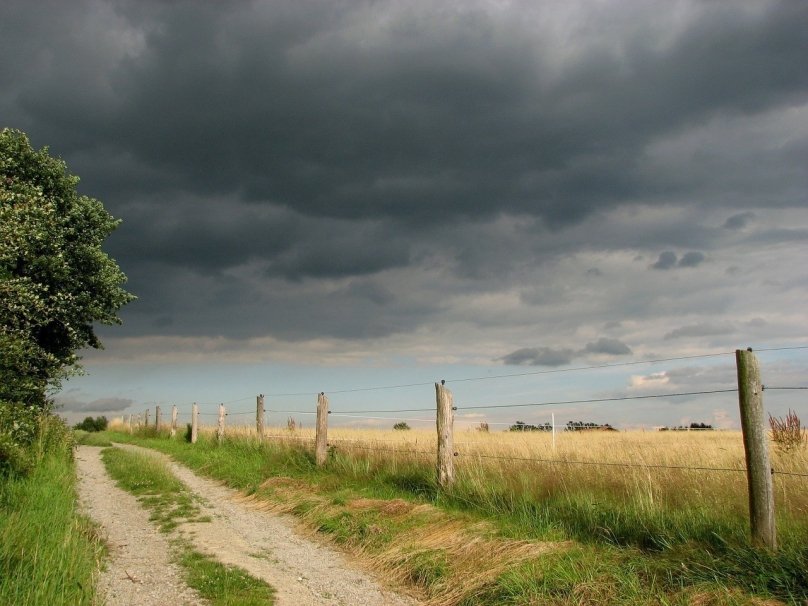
point(55, 280)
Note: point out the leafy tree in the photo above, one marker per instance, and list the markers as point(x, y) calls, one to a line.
point(90, 424)
point(55, 281)
point(401, 426)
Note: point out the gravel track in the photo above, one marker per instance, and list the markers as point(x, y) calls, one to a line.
point(139, 569)
point(264, 544)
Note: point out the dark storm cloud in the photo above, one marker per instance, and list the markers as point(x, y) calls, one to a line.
point(700, 330)
point(260, 152)
point(667, 260)
point(100, 405)
point(440, 112)
point(691, 259)
point(548, 356)
point(605, 345)
point(739, 221)
point(539, 356)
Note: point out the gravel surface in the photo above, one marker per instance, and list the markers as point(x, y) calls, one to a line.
point(264, 544)
point(139, 569)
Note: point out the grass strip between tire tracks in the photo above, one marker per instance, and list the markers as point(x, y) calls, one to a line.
point(170, 504)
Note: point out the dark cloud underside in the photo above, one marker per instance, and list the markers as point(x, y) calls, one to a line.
point(301, 169)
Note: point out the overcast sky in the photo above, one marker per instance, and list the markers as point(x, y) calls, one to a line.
point(344, 194)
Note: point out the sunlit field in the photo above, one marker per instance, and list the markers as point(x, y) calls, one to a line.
point(649, 470)
point(597, 517)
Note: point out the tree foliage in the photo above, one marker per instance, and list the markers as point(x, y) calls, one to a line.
point(522, 426)
point(90, 424)
point(55, 280)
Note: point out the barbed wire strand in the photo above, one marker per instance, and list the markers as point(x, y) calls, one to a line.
point(506, 375)
point(380, 418)
point(596, 400)
point(538, 372)
point(599, 463)
point(376, 449)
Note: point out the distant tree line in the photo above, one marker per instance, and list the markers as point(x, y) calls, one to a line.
point(570, 426)
point(522, 426)
point(687, 427)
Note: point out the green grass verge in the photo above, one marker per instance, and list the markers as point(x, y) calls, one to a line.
point(91, 438)
point(48, 552)
point(623, 554)
point(170, 503)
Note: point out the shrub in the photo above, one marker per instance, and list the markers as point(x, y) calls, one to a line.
point(787, 433)
point(19, 428)
point(401, 426)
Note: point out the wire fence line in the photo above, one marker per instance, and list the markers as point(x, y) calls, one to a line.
point(507, 376)
point(369, 414)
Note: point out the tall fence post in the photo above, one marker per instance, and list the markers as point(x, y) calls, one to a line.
point(146, 418)
point(130, 423)
point(758, 468)
point(194, 422)
point(445, 425)
point(173, 420)
point(321, 437)
point(220, 426)
point(259, 416)
point(158, 417)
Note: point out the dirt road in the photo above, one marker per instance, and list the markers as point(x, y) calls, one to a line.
point(266, 545)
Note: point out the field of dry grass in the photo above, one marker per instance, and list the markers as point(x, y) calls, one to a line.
point(601, 517)
point(651, 470)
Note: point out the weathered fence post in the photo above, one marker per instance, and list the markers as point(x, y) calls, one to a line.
point(445, 424)
point(194, 422)
point(259, 416)
point(146, 418)
point(158, 417)
point(321, 436)
point(130, 423)
point(173, 420)
point(758, 469)
point(220, 426)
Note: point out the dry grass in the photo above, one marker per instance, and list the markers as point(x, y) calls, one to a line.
point(527, 522)
point(653, 470)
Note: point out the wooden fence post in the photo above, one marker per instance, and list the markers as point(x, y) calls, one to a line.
point(259, 416)
point(445, 424)
point(321, 437)
point(194, 422)
point(130, 423)
point(173, 420)
point(758, 468)
point(146, 418)
point(158, 417)
point(220, 426)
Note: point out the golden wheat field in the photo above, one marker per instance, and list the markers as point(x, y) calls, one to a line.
point(649, 470)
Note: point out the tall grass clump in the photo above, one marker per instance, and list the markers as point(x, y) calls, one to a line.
point(49, 553)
